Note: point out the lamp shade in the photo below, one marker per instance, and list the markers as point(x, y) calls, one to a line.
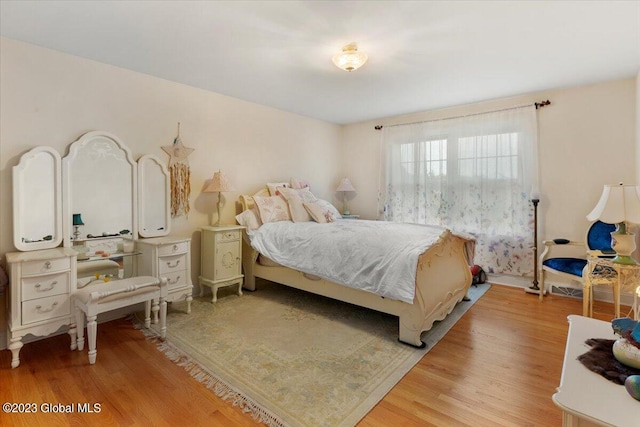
point(618, 203)
point(345, 185)
point(219, 183)
point(77, 219)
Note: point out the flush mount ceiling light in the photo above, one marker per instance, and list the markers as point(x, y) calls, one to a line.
point(350, 59)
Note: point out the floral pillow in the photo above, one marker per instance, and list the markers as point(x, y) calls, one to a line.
point(249, 219)
point(295, 200)
point(327, 205)
point(320, 212)
point(272, 209)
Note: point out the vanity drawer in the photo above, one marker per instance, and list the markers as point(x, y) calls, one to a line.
point(228, 236)
point(45, 308)
point(174, 248)
point(31, 268)
point(176, 279)
point(45, 286)
point(169, 264)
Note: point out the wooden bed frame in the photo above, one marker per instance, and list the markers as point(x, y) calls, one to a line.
point(442, 280)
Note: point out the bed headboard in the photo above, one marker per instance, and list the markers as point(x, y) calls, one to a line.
point(247, 201)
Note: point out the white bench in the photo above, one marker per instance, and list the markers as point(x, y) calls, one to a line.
point(106, 296)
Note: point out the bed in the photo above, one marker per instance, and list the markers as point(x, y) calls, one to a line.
point(441, 278)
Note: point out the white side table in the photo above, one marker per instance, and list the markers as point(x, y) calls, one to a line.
point(221, 259)
point(586, 398)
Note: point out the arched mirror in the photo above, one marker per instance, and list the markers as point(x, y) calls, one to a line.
point(154, 191)
point(37, 200)
point(99, 177)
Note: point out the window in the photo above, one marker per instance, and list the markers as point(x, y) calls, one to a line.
point(470, 174)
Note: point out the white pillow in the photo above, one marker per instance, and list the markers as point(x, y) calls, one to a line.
point(250, 219)
point(272, 209)
point(295, 200)
point(272, 186)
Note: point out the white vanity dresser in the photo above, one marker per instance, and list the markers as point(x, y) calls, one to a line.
point(111, 216)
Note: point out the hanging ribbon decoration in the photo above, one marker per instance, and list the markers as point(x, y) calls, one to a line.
point(180, 175)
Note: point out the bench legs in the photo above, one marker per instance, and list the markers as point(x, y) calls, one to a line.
point(92, 325)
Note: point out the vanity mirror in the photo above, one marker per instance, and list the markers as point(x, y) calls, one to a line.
point(154, 191)
point(37, 200)
point(99, 177)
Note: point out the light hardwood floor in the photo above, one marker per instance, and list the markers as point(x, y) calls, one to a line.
point(498, 366)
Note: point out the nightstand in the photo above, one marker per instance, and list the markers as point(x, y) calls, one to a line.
point(221, 259)
point(350, 216)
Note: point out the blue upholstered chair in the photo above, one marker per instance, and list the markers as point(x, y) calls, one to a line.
point(597, 243)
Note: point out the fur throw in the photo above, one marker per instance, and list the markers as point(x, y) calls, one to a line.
point(600, 359)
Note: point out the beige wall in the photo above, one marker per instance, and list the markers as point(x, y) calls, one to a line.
point(587, 138)
point(50, 98)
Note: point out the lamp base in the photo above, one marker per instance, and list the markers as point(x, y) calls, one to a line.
point(624, 244)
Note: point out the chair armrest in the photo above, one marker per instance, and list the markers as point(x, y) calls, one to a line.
point(555, 242)
point(548, 244)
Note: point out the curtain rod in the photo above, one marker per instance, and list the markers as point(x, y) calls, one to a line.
point(538, 105)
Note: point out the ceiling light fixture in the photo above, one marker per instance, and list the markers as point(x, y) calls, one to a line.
point(350, 59)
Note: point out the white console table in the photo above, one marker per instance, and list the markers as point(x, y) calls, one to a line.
point(586, 398)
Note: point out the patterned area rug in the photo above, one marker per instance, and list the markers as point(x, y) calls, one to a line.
point(296, 359)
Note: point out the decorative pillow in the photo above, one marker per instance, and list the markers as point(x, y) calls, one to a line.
point(330, 208)
point(319, 212)
point(299, 183)
point(272, 186)
point(272, 209)
point(250, 219)
point(295, 199)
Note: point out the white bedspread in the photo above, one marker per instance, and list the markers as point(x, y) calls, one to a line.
point(376, 256)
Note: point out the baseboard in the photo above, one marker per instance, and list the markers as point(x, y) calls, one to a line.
point(600, 293)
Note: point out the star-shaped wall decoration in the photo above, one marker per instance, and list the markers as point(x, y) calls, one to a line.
point(177, 152)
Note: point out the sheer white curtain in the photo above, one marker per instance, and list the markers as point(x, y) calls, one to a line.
point(472, 174)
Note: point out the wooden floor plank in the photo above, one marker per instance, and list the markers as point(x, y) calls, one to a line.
point(498, 366)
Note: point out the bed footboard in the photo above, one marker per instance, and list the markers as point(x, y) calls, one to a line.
point(442, 280)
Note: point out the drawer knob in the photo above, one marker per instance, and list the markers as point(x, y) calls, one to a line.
point(47, 265)
point(175, 248)
point(40, 310)
point(39, 287)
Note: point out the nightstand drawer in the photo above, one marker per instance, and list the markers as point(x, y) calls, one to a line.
point(176, 279)
point(173, 249)
point(45, 308)
point(31, 268)
point(45, 286)
point(169, 264)
point(228, 236)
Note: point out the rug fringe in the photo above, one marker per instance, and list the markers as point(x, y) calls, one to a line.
point(209, 380)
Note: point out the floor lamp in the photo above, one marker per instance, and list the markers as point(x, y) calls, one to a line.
point(534, 288)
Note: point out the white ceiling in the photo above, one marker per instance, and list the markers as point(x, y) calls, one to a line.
point(423, 55)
